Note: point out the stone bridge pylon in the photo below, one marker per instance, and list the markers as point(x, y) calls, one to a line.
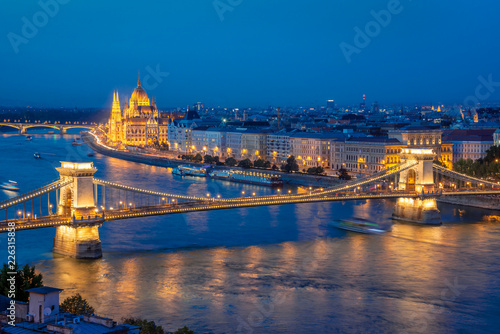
point(80, 238)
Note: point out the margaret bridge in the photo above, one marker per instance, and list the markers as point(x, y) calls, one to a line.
point(62, 128)
point(83, 203)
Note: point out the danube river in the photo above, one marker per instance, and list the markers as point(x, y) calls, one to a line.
point(278, 269)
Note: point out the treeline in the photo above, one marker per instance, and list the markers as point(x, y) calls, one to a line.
point(487, 167)
point(290, 166)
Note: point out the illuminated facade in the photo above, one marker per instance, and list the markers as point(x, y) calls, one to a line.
point(139, 124)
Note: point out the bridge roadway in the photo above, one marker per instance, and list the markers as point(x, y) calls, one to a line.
point(165, 209)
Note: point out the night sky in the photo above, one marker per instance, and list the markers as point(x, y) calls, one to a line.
point(247, 52)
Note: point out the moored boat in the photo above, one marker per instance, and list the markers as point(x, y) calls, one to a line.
point(252, 177)
point(359, 225)
point(10, 185)
point(190, 170)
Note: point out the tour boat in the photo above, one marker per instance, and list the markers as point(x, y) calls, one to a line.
point(90, 154)
point(236, 175)
point(29, 138)
point(77, 143)
point(10, 185)
point(177, 171)
point(190, 170)
point(37, 155)
point(358, 225)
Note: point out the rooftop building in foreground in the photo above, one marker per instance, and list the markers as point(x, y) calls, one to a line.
point(42, 315)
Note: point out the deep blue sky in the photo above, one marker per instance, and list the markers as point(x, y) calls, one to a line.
point(279, 52)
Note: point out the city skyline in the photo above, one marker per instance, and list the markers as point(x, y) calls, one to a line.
point(248, 53)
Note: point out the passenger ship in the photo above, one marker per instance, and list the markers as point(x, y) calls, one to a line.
point(185, 170)
point(235, 175)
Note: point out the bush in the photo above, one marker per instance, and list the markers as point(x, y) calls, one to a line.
point(77, 305)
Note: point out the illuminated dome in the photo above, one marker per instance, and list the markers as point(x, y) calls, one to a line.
point(139, 95)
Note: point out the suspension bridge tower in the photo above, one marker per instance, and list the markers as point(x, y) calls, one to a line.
point(79, 238)
point(418, 178)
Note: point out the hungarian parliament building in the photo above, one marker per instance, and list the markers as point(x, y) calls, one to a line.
point(139, 123)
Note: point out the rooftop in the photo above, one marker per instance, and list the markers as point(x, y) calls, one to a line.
point(44, 290)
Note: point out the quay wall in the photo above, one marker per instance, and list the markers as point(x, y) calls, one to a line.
point(484, 201)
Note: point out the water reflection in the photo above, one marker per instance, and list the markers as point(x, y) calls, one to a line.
point(217, 271)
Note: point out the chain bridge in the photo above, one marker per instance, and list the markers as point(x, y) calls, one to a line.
point(77, 203)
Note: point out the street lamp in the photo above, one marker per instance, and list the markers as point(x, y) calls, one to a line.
point(289, 192)
point(121, 204)
point(253, 194)
point(243, 193)
point(19, 213)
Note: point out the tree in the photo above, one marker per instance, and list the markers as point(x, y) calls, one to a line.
point(493, 154)
point(231, 161)
point(267, 164)
point(208, 159)
point(315, 170)
point(183, 330)
point(147, 327)
point(291, 165)
point(77, 305)
point(259, 163)
point(198, 157)
point(245, 163)
point(275, 167)
point(343, 175)
point(25, 278)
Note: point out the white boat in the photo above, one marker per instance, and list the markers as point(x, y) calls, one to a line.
point(10, 185)
point(37, 155)
point(359, 225)
point(252, 177)
point(77, 142)
point(190, 170)
point(29, 138)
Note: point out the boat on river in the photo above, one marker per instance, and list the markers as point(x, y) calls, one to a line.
point(359, 225)
point(29, 138)
point(188, 170)
point(37, 155)
point(10, 185)
point(77, 142)
point(252, 177)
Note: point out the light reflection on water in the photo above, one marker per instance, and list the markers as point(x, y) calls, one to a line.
point(216, 271)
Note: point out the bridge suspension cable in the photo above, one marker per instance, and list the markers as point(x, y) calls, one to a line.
point(147, 192)
point(463, 177)
point(34, 193)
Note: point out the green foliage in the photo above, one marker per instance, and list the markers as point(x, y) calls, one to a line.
point(343, 175)
point(275, 167)
point(26, 278)
point(260, 163)
point(208, 159)
point(183, 330)
point(198, 158)
point(316, 170)
point(291, 165)
point(231, 161)
point(493, 154)
point(147, 327)
point(245, 163)
point(77, 305)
